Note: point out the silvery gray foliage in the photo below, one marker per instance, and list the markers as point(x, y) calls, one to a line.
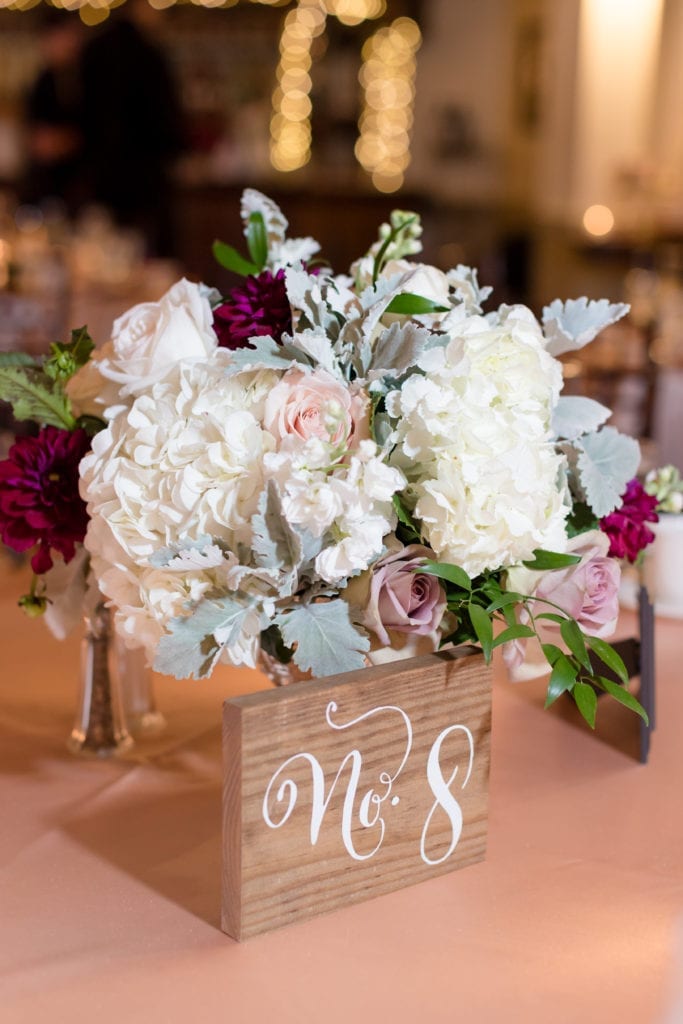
point(464, 281)
point(575, 415)
point(264, 353)
point(202, 553)
point(606, 461)
point(570, 325)
point(280, 547)
point(324, 638)
point(190, 647)
point(398, 348)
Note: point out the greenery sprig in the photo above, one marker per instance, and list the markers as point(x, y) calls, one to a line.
point(480, 603)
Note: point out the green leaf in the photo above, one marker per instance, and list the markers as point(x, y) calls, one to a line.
point(609, 656)
point(504, 601)
point(544, 560)
point(581, 519)
point(399, 241)
point(586, 701)
point(624, 697)
point(323, 638)
point(562, 678)
point(231, 259)
point(91, 424)
point(573, 637)
point(17, 359)
point(552, 617)
point(483, 627)
point(462, 634)
point(516, 632)
point(414, 305)
point(67, 358)
point(257, 239)
point(404, 517)
point(33, 396)
point(552, 653)
point(452, 573)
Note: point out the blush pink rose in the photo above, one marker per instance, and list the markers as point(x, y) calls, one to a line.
point(589, 590)
point(402, 599)
point(316, 405)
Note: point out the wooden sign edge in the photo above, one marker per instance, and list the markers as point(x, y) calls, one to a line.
point(372, 673)
point(233, 710)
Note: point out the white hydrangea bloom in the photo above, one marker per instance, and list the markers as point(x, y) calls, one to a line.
point(348, 503)
point(185, 461)
point(474, 439)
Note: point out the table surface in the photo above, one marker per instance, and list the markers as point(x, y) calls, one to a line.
point(110, 872)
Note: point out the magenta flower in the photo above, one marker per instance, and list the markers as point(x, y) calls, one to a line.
point(258, 306)
point(625, 527)
point(39, 499)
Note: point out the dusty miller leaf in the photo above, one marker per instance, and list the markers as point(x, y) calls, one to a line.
point(190, 649)
point(607, 461)
point(315, 344)
point(575, 415)
point(201, 553)
point(397, 349)
point(308, 293)
point(264, 353)
point(325, 640)
point(275, 543)
point(570, 325)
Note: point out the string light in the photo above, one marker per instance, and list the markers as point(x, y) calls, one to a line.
point(290, 124)
point(354, 12)
point(388, 81)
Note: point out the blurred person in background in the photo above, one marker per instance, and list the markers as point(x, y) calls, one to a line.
point(131, 124)
point(54, 115)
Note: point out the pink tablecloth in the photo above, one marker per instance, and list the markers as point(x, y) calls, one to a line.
point(109, 874)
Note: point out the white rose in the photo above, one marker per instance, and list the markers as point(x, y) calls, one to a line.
point(152, 337)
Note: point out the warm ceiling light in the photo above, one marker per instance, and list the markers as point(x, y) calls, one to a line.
point(598, 220)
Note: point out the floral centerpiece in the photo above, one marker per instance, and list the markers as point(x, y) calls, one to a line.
point(327, 468)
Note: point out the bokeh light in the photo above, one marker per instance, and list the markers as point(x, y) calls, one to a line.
point(598, 220)
point(387, 78)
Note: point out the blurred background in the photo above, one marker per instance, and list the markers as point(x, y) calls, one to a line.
point(540, 140)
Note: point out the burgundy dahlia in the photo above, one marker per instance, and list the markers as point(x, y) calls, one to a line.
point(625, 527)
point(258, 306)
point(39, 499)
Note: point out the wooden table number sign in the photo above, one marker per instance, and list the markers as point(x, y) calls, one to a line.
point(341, 789)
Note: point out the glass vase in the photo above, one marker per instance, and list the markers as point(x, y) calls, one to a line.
point(100, 728)
point(137, 692)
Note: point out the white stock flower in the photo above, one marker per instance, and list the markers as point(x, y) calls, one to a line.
point(419, 279)
point(474, 441)
point(152, 337)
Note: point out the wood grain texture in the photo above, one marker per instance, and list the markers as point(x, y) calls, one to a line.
point(400, 756)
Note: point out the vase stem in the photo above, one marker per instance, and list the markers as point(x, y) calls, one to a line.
point(137, 692)
point(100, 728)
